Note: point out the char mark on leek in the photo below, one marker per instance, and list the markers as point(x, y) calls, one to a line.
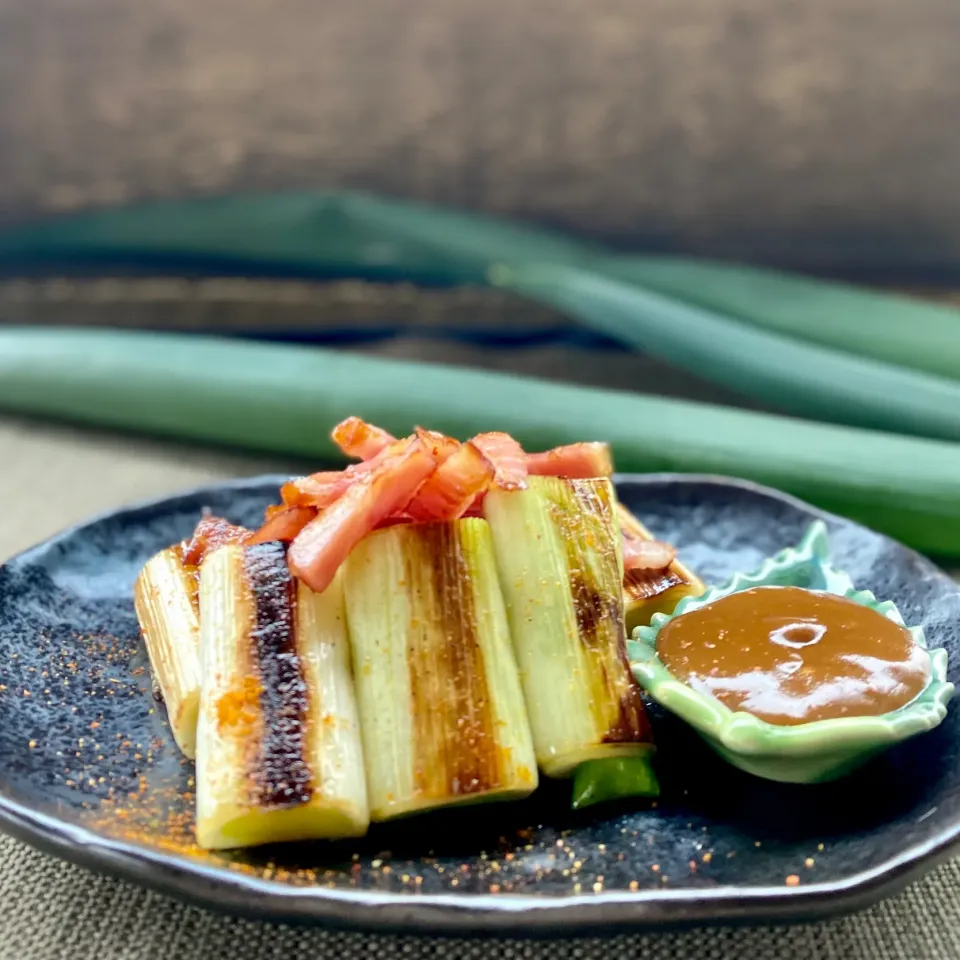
point(441, 706)
point(448, 679)
point(643, 584)
point(557, 549)
point(596, 578)
point(282, 772)
point(654, 580)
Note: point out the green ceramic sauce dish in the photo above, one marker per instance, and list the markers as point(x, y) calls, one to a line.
point(811, 752)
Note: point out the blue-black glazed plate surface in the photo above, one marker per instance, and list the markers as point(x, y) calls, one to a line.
point(90, 771)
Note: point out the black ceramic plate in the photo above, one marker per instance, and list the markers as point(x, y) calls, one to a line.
point(90, 771)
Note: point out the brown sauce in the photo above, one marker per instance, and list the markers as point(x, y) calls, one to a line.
point(790, 656)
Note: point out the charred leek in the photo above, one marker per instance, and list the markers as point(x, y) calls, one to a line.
point(646, 592)
point(165, 597)
point(558, 553)
point(278, 744)
point(441, 707)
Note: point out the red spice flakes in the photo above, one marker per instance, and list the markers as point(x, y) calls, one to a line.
point(239, 707)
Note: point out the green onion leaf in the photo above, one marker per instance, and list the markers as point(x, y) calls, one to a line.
point(283, 399)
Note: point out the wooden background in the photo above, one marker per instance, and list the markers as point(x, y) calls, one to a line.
point(820, 135)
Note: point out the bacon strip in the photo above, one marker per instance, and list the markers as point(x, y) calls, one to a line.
point(211, 533)
point(321, 489)
point(357, 438)
point(324, 543)
point(508, 459)
point(449, 492)
point(283, 524)
point(576, 461)
point(646, 554)
point(439, 446)
point(318, 490)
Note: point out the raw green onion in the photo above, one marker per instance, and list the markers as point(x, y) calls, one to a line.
point(799, 377)
point(765, 335)
point(906, 332)
point(303, 234)
point(283, 399)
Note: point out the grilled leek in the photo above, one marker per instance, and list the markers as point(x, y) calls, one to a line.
point(646, 592)
point(279, 755)
point(559, 558)
point(165, 598)
point(441, 706)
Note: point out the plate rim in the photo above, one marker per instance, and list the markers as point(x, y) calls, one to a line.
point(466, 914)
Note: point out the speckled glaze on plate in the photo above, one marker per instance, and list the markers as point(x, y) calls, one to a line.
point(91, 773)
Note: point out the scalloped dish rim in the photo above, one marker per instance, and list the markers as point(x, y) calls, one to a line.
point(743, 735)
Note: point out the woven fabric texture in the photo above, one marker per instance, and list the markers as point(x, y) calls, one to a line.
point(55, 911)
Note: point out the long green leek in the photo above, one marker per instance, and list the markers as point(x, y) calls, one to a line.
point(798, 377)
point(283, 399)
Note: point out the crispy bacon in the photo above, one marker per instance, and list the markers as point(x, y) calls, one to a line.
point(324, 543)
point(451, 490)
point(283, 523)
point(318, 490)
point(211, 533)
point(641, 554)
point(576, 461)
point(357, 438)
point(508, 459)
point(427, 477)
point(321, 489)
point(439, 446)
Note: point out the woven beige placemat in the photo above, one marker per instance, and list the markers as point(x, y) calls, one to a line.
point(54, 911)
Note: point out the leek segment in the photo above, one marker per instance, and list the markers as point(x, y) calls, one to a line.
point(603, 781)
point(165, 597)
point(559, 556)
point(441, 707)
point(646, 592)
point(297, 772)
